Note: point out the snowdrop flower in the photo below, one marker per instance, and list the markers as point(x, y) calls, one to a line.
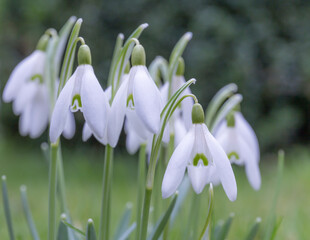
point(240, 144)
point(82, 92)
point(204, 159)
point(29, 69)
point(137, 93)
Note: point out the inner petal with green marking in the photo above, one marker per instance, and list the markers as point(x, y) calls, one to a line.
point(233, 156)
point(37, 76)
point(130, 102)
point(202, 157)
point(76, 103)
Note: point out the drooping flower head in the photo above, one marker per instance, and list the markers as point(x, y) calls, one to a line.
point(203, 157)
point(241, 145)
point(81, 92)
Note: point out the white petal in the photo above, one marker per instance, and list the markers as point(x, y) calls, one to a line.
point(69, 129)
point(179, 131)
point(136, 124)
point(39, 112)
point(25, 95)
point(25, 120)
point(253, 174)
point(147, 99)
point(248, 133)
point(59, 115)
point(177, 165)
point(198, 176)
point(94, 102)
point(108, 93)
point(87, 133)
point(23, 72)
point(117, 114)
point(164, 92)
point(223, 166)
point(133, 140)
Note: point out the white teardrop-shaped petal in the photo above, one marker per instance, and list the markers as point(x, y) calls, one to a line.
point(86, 133)
point(136, 124)
point(133, 140)
point(198, 176)
point(164, 92)
point(21, 73)
point(179, 131)
point(117, 114)
point(94, 102)
point(108, 93)
point(25, 120)
point(69, 129)
point(59, 115)
point(177, 165)
point(24, 97)
point(147, 99)
point(222, 164)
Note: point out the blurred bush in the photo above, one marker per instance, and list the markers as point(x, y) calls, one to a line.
point(263, 46)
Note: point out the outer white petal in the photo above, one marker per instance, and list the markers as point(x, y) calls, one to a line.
point(94, 102)
point(24, 97)
point(198, 176)
point(108, 93)
point(164, 92)
point(25, 120)
point(69, 129)
point(136, 124)
point(223, 166)
point(117, 114)
point(21, 73)
point(133, 140)
point(87, 133)
point(59, 115)
point(248, 133)
point(177, 165)
point(147, 99)
point(179, 131)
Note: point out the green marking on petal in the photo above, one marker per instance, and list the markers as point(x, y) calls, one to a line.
point(37, 76)
point(130, 99)
point(233, 155)
point(76, 103)
point(200, 156)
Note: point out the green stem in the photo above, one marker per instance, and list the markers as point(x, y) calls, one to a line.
point(208, 220)
point(106, 188)
point(145, 213)
point(194, 217)
point(141, 185)
point(61, 183)
point(7, 211)
point(52, 192)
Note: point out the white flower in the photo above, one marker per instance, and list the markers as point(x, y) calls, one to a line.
point(31, 67)
point(82, 92)
point(241, 145)
point(204, 159)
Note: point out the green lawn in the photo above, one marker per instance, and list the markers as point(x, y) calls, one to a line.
point(25, 164)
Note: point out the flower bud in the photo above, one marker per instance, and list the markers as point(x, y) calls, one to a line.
point(84, 55)
point(181, 67)
point(138, 55)
point(42, 44)
point(198, 115)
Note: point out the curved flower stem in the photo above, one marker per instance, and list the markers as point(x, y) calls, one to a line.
point(52, 192)
point(106, 189)
point(141, 185)
point(145, 212)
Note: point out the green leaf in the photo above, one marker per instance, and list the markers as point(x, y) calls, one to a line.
point(62, 233)
point(127, 233)
point(159, 68)
point(276, 228)
point(218, 99)
point(230, 104)
point(68, 61)
point(31, 225)
point(7, 211)
point(225, 228)
point(72, 227)
point(161, 223)
point(90, 230)
point(210, 210)
point(254, 229)
point(124, 222)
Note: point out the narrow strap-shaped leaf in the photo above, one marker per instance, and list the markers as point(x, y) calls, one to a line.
point(7, 208)
point(90, 230)
point(63, 219)
point(67, 65)
point(225, 228)
point(218, 99)
point(129, 231)
point(124, 222)
point(62, 233)
point(31, 225)
point(254, 229)
point(230, 104)
point(276, 228)
point(159, 65)
point(161, 223)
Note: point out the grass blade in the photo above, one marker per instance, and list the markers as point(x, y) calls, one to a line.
point(254, 229)
point(127, 233)
point(32, 227)
point(124, 222)
point(90, 230)
point(7, 208)
point(226, 227)
point(63, 219)
point(62, 233)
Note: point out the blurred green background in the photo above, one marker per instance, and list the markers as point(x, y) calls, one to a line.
point(262, 46)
